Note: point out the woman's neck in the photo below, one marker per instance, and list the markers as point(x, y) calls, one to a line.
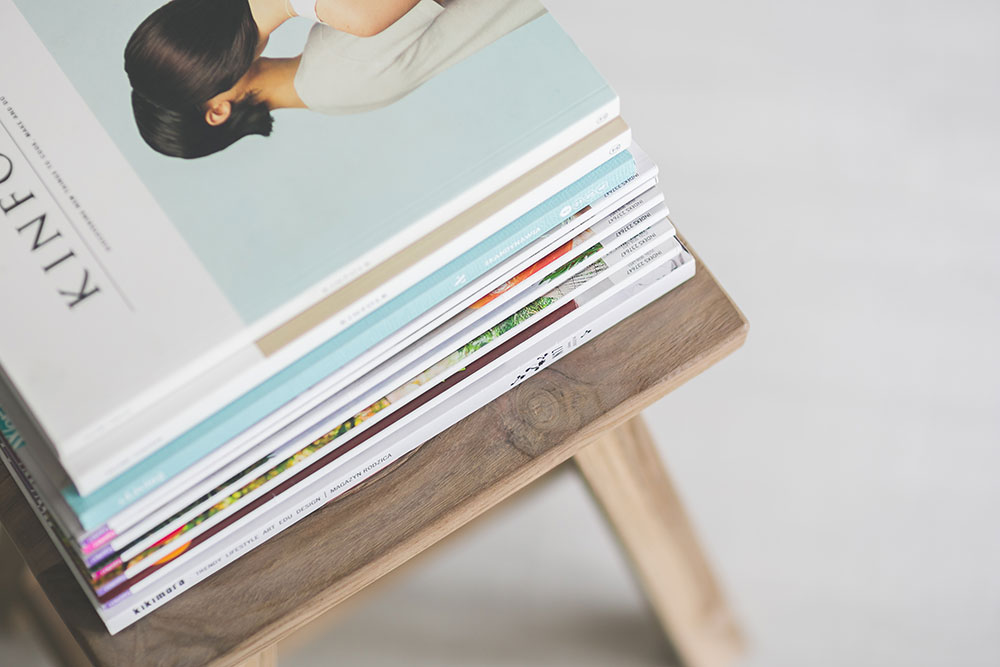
point(272, 80)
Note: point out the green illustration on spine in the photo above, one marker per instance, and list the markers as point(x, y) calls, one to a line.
point(590, 252)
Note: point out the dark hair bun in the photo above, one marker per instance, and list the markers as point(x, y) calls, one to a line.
point(181, 56)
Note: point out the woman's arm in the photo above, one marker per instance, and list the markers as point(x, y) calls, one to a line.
point(363, 18)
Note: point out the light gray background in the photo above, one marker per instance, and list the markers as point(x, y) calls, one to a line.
point(836, 165)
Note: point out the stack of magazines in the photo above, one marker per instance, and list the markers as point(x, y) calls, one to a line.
point(250, 258)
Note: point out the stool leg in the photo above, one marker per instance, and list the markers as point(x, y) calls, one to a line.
point(25, 608)
point(630, 482)
point(266, 658)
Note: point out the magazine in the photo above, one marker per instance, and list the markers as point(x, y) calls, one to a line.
point(147, 507)
point(243, 416)
point(138, 250)
point(256, 410)
point(102, 546)
point(591, 328)
point(130, 543)
point(116, 504)
point(100, 550)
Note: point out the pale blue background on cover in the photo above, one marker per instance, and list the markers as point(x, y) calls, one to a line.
point(271, 217)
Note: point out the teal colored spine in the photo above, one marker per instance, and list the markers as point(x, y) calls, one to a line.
point(96, 508)
point(9, 432)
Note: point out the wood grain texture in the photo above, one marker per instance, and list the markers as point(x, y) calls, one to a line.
point(629, 481)
point(327, 557)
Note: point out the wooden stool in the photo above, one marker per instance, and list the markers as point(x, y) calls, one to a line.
point(585, 406)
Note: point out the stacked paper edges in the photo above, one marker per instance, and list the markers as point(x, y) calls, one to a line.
point(541, 300)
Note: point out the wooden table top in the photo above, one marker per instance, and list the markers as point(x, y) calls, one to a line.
point(340, 549)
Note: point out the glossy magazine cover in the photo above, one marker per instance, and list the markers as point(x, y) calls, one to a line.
point(155, 236)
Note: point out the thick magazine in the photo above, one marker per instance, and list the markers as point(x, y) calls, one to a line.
point(114, 247)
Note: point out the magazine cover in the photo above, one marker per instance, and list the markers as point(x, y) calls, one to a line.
point(211, 169)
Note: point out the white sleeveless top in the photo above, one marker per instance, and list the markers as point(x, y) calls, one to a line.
point(342, 74)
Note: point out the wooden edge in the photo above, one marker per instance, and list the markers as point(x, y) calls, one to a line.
point(265, 658)
point(703, 268)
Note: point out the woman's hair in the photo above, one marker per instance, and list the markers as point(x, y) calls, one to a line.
point(183, 55)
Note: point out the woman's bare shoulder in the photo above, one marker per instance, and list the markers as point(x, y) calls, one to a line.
point(363, 18)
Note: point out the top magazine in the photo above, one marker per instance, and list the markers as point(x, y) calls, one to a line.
point(195, 194)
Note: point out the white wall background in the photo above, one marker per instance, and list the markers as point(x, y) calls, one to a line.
point(837, 165)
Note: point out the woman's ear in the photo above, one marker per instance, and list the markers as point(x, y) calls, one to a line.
point(218, 111)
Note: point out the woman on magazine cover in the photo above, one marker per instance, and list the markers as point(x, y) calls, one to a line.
point(199, 82)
